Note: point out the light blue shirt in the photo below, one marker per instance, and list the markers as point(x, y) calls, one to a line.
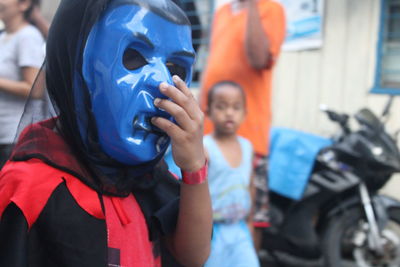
point(229, 187)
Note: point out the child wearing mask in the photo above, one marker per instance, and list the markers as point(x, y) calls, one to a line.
point(85, 184)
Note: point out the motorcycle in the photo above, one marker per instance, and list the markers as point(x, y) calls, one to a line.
point(340, 219)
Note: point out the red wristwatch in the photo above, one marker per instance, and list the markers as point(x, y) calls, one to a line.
point(196, 177)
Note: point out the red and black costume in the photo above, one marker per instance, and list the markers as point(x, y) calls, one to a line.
point(49, 217)
point(63, 202)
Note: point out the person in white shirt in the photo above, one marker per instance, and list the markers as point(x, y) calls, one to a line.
point(22, 54)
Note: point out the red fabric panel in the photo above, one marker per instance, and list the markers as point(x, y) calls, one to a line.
point(87, 198)
point(128, 233)
point(29, 184)
point(123, 217)
point(23, 182)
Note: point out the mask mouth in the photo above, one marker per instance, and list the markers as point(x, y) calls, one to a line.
point(143, 123)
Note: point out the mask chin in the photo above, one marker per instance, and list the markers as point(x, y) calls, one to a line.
point(143, 147)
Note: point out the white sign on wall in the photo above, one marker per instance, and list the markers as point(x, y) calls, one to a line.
point(304, 22)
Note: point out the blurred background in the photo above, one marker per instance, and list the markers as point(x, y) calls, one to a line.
point(341, 53)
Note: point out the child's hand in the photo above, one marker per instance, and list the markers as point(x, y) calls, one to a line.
point(187, 133)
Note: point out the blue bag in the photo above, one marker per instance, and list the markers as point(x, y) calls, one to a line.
point(292, 156)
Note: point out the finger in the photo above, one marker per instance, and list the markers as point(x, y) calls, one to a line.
point(189, 104)
point(173, 93)
point(181, 116)
point(181, 85)
point(167, 126)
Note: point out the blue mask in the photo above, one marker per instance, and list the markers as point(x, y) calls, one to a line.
point(128, 53)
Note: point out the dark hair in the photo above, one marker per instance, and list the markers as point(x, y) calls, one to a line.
point(223, 83)
point(28, 12)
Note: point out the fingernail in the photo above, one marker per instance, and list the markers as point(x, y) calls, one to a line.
point(176, 78)
point(163, 86)
point(157, 101)
point(153, 119)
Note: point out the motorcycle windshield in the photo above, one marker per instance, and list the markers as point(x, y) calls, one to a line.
point(366, 118)
point(369, 147)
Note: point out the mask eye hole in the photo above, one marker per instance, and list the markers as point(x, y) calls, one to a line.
point(133, 60)
point(176, 69)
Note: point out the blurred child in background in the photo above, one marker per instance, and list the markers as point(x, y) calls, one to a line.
point(230, 178)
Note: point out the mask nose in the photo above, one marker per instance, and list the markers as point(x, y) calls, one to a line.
point(150, 91)
point(159, 73)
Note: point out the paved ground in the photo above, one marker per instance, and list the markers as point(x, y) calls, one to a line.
point(272, 264)
point(266, 261)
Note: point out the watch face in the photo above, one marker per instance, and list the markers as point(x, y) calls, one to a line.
point(128, 53)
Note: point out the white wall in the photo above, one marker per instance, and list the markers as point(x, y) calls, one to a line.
point(49, 7)
point(339, 75)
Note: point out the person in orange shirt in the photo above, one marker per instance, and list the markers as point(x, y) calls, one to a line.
point(245, 42)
